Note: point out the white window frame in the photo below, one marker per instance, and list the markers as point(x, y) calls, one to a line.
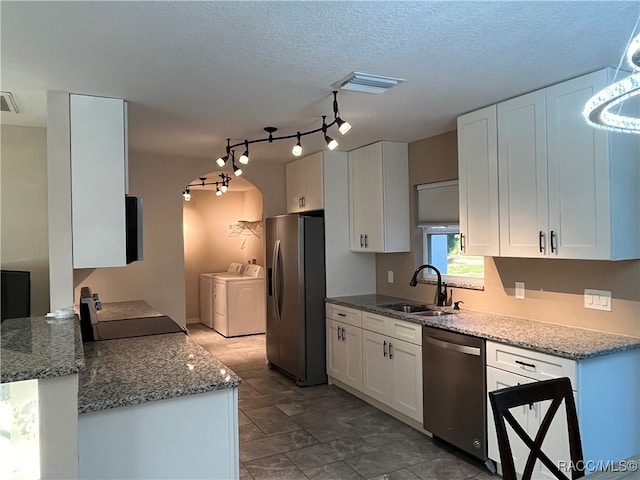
point(451, 280)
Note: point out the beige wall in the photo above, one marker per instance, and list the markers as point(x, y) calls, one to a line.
point(160, 277)
point(209, 244)
point(554, 288)
point(24, 225)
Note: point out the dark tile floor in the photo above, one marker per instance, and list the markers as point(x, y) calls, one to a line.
point(322, 433)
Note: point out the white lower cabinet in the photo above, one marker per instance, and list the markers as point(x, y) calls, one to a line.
point(380, 357)
point(392, 373)
point(607, 394)
point(344, 353)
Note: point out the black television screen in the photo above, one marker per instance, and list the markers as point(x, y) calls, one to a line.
point(15, 288)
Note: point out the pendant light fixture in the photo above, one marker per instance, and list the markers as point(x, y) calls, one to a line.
point(598, 109)
point(297, 148)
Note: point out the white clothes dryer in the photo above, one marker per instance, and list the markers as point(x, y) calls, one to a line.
point(240, 303)
point(207, 293)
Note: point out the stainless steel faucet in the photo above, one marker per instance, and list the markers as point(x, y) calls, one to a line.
point(441, 294)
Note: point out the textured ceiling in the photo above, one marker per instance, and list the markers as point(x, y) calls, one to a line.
point(196, 73)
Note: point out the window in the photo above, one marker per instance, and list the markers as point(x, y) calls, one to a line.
point(438, 218)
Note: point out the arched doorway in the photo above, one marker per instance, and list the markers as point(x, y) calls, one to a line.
point(219, 230)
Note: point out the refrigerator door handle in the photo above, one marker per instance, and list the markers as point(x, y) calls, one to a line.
point(274, 281)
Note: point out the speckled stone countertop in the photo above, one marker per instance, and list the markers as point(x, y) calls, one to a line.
point(568, 342)
point(130, 371)
point(123, 310)
point(40, 347)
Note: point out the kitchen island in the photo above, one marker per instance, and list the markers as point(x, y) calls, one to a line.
point(155, 406)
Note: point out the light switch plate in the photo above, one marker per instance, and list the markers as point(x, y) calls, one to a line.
point(520, 290)
point(390, 276)
point(597, 299)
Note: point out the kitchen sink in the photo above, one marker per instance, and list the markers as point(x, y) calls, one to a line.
point(406, 307)
point(432, 313)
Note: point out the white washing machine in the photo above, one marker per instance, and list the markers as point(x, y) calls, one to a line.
point(207, 292)
point(239, 302)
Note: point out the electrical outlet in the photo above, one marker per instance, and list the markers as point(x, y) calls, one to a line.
point(390, 276)
point(520, 290)
point(597, 299)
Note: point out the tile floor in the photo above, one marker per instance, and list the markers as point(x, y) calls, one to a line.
point(322, 433)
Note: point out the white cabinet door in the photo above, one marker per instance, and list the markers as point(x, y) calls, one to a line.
point(98, 181)
point(375, 366)
point(478, 182)
point(593, 177)
point(336, 352)
point(296, 184)
point(379, 198)
point(314, 182)
point(352, 339)
point(522, 167)
point(305, 186)
point(405, 392)
point(344, 353)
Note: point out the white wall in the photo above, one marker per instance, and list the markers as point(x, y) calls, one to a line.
point(23, 200)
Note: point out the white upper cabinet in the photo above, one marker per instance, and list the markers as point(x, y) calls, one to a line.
point(379, 198)
point(478, 182)
point(567, 190)
point(305, 186)
point(98, 180)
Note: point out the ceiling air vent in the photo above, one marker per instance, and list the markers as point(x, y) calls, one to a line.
point(367, 82)
point(7, 103)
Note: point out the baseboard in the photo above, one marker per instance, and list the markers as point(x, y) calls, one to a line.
point(193, 320)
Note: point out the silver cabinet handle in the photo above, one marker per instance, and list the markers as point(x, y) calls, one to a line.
point(390, 350)
point(361, 240)
point(366, 241)
point(384, 348)
point(454, 346)
point(541, 241)
point(344, 337)
point(462, 244)
point(554, 247)
point(338, 330)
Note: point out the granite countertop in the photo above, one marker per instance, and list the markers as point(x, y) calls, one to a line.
point(125, 310)
point(131, 371)
point(40, 347)
point(568, 342)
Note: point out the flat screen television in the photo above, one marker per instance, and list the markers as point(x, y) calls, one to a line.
point(15, 291)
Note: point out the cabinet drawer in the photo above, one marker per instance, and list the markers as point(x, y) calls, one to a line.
point(535, 365)
point(407, 331)
point(375, 323)
point(392, 327)
point(344, 314)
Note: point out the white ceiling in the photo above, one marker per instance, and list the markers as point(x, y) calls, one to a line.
point(195, 73)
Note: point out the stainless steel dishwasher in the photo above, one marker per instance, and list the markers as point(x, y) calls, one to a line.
point(453, 369)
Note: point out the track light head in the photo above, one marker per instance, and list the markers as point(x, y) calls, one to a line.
point(186, 194)
point(297, 148)
point(244, 158)
point(222, 161)
point(343, 127)
point(331, 143)
point(218, 192)
point(224, 188)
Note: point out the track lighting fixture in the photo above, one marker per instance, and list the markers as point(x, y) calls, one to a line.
point(222, 185)
point(297, 148)
point(343, 127)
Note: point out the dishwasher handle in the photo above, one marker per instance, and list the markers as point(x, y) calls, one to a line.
point(454, 346)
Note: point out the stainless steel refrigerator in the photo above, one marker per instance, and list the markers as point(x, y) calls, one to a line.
point(295, 297)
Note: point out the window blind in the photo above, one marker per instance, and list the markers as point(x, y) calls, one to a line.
point(438, 204)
